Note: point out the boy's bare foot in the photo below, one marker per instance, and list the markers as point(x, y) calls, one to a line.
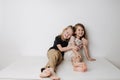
point(46, 73)
point(49, 72)
point(55, 77)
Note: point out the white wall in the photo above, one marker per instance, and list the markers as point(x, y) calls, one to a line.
point(28, 27)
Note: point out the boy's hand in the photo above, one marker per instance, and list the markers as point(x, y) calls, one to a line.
point(75, 48)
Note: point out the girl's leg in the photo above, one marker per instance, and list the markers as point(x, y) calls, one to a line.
point(78, 55)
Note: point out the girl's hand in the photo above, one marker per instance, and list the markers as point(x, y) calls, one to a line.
point(91, 59)
point(85, 41)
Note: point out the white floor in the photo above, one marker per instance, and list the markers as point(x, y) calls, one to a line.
point(28, 68)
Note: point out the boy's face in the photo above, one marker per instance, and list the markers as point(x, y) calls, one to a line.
point(67, 33)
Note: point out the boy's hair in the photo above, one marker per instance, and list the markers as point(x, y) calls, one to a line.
point(70, 26)
point(81, 25)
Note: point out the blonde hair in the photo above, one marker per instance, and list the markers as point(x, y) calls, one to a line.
point(70, 26)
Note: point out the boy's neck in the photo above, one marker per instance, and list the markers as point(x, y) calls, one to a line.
point(62, 38)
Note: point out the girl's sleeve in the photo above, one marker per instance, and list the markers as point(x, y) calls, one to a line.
point(71, 41)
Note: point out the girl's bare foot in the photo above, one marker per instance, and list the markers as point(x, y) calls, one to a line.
point(81, 68)
point(77, 69)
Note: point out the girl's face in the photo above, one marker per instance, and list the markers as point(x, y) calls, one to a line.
point(79, 31)
point(67, 33)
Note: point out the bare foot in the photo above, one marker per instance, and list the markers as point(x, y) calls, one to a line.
point(55, 78)
point(81, 68)
point(45, 73)
point(53, 75)
point(77, 69)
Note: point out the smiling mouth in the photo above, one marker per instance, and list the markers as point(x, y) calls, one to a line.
point(65, 35)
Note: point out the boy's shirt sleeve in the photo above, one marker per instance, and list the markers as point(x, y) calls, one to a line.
point(57, 40)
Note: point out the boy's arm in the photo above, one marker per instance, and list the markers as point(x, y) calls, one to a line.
point(67, 48)
point(64, 48)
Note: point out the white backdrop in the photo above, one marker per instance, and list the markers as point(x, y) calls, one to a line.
point(28, 27)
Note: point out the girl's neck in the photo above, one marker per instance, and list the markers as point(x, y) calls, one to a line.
point(78, 37)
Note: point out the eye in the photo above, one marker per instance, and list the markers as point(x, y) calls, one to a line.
point(79, 29)
point(67, 32)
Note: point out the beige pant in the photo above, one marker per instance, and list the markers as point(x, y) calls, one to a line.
point(54, 58)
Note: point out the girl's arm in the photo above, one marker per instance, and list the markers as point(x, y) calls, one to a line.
point(85, 46)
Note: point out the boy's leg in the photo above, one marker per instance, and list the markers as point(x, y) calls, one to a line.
point(53, 57)
point(60, 59)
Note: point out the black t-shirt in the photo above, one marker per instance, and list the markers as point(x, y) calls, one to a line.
point(57, 41)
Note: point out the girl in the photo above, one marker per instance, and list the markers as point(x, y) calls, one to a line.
point(56, 52)
point(79, 39)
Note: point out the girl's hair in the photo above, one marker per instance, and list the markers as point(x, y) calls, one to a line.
point(80, 25)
